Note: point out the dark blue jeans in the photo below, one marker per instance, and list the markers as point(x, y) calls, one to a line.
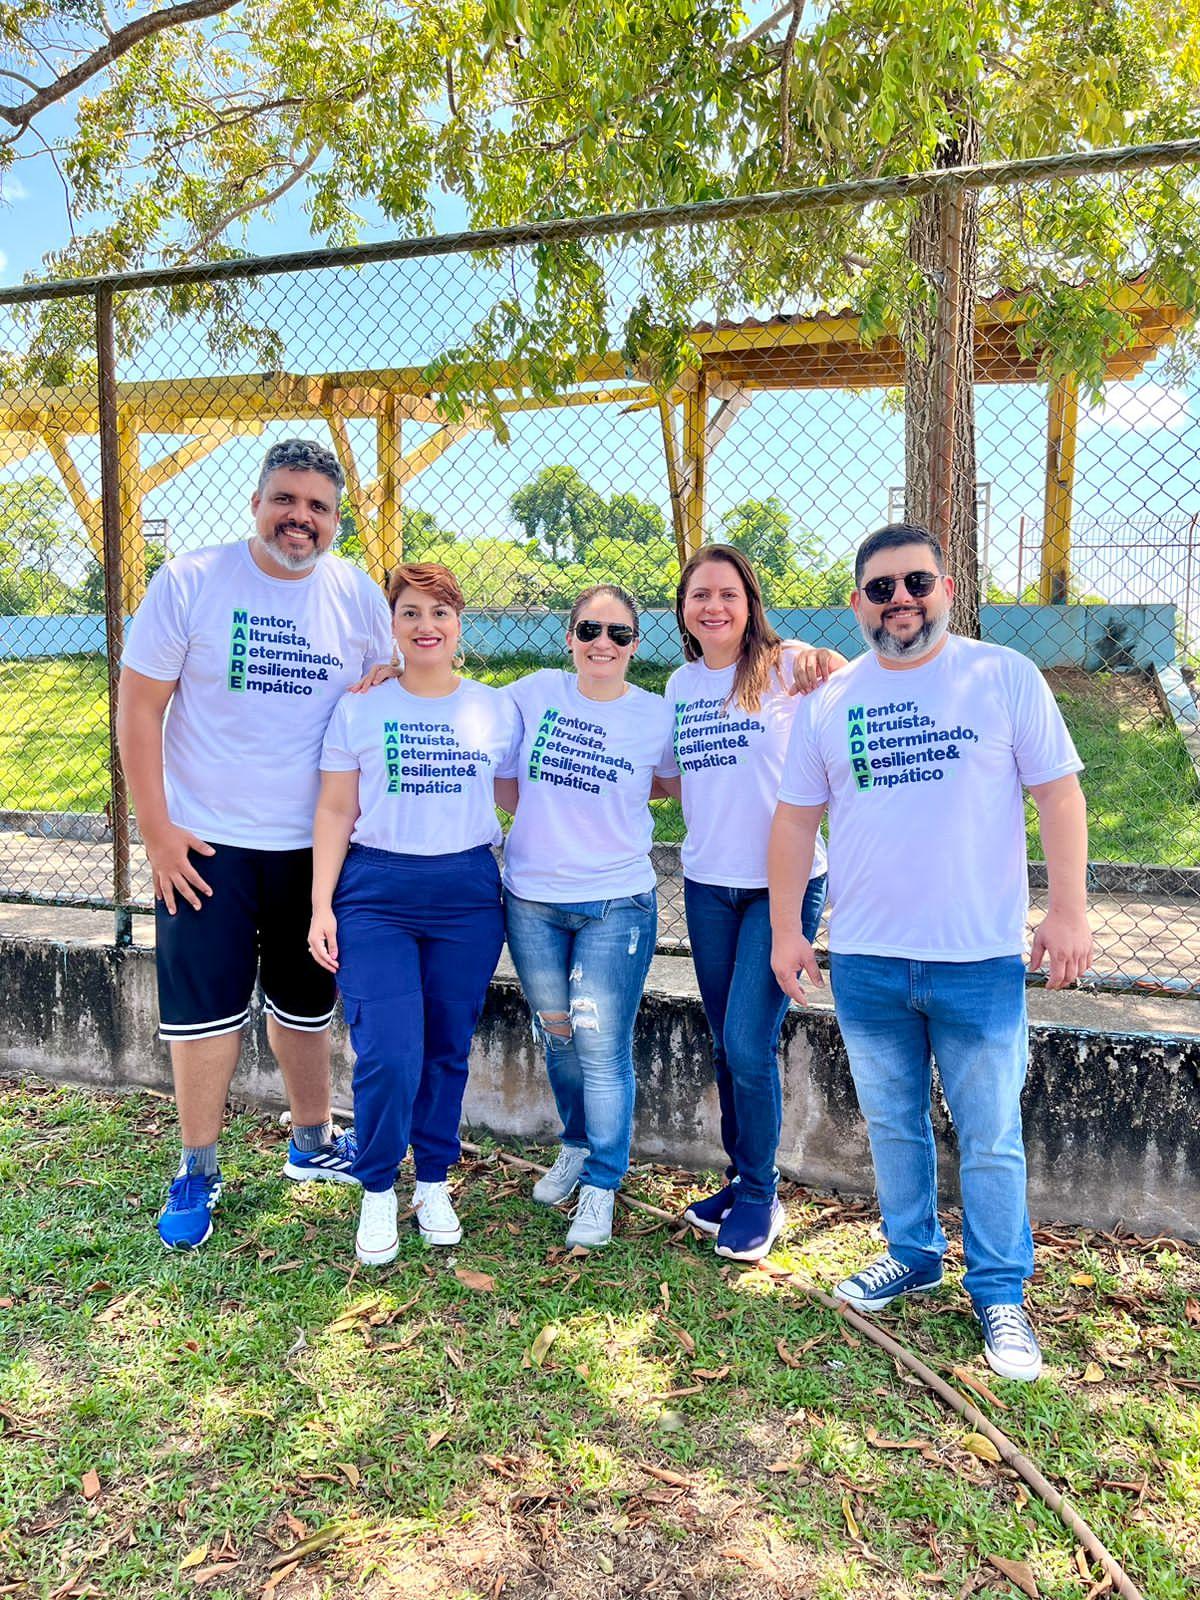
point(419, 938)
point(730, 933)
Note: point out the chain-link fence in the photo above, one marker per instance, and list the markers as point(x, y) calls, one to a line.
point(1006, 355)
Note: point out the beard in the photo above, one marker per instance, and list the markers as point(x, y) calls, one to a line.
point(885, 644)
point(302, 562)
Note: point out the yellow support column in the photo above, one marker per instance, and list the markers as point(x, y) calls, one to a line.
point(133, 542)
point(666, 416)
point(695, 449)
point(387, 546)
point(1062, 429)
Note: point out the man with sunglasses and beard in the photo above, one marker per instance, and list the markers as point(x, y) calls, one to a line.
point(919, 750)
point(251, 645)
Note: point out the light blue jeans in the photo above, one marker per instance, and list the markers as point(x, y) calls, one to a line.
point(896, 1017)
point(587, 962)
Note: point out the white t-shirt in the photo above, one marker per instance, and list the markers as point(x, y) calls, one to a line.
point(583, 829)
point(922, 770)
point(260, 662)
point(730, 761)
point(426, 766)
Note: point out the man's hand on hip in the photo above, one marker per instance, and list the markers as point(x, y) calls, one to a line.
point(1066, 938)
point(168, 850)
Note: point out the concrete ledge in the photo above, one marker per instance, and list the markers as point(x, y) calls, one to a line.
point(1112, 1116)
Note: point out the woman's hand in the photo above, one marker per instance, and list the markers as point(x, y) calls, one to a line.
point(322, 939)
point(811, 667)
point(377, 675)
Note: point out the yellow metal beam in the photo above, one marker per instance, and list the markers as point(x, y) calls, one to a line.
point(666, 416)
point(695, 450)
point(187, 455)
point(87, 507)
point(133, 540)
point(1062, 428)
point(387, 547)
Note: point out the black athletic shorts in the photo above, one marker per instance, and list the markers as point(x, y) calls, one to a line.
point(255, 923)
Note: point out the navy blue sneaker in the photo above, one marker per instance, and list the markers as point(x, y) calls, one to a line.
point(332, 1162)
point(709, 1214)
point(886, 1280)
point(185, 1222)
point(750, 1229)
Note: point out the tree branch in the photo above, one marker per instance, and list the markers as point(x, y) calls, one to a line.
point(257, 203)
point(18, 77)
point(735, 45)
point(785, 86)
point(124, 40)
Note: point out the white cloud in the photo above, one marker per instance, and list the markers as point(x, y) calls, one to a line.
point(1140, 408)
point(3, 263)
point(12, 190)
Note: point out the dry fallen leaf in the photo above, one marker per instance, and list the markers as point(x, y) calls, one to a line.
point(1191, 1310)
point(684, 1337)
point(965, 1376)
point(91, 1484)
point(1018, 1573)
point(350, 1472)
point(665, 1475)
point(455, 1356)
point(540, 1347)
point(194, 1558)
point(852, 1527)
point(436, 1438)
point(980, 1445)
point(1092, 1373)
point(710, 1374)
point(1083, 1280)
point(881, 1443)
point(483, 1281)
point(785, 1355)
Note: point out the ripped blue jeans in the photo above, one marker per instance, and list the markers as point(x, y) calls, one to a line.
point(583, 967)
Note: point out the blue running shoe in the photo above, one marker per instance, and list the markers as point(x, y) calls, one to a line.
point(886, 1280)
point(185, 1222)
point(750, 1229)
point(709, 1214)
point(332, 1162)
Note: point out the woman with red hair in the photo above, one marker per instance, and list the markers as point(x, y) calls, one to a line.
point(406, 898)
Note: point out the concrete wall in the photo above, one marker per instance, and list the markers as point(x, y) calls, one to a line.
point(1112, 1119)
point(1091, 637)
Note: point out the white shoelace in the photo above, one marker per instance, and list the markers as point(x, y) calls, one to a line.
point(565, 1162)
point(1009, 1325)
point(592, 1206)
point(376, 1209)
point(436, 1211)
point(881, 1274)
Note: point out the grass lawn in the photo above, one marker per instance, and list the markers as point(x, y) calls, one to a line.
point(507, 1420)
point(1142, 793)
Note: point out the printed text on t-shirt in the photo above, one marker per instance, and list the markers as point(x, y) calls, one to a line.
point(426, 758)
point(706, 736)
point(570, 754)
point(268, 655)
point(895, 743)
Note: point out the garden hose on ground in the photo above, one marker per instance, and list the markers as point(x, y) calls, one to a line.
point(1020, 1463)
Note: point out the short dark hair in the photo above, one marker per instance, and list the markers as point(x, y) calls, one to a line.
point(892, 537)
point(302, 455)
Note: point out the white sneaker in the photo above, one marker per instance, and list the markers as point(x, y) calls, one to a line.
point(436, 1216)
point(377, 1241)
point(553, 1187)
point(591, 1220)
point(1010, 1345)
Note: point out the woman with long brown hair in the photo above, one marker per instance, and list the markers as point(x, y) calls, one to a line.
point(732, 704)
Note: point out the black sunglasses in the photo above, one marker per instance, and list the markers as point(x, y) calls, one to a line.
point(880, 590)
point(622, 633)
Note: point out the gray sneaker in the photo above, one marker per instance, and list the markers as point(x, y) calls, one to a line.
point(1009, 1343)
point(553, 1187)
point(591, 1220)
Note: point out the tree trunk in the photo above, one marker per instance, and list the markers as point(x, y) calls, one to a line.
point(939, 344)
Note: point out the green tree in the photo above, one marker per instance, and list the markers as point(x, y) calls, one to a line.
point(761, 530)
point(89, 595)
point(34, 543)
point(559, 512)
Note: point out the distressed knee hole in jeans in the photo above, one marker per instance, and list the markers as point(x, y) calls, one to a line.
point(554, 1027)
point(633, 942)
point(585, 1014)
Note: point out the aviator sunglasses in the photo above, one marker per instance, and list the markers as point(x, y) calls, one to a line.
point(880, 590)
point(622, 633)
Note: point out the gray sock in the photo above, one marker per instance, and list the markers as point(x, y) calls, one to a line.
point(313, 1137)
point(201, 1158)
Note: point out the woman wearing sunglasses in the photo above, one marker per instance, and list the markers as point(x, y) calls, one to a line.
point(732, 705)
point(406, 898)
point(580, 902)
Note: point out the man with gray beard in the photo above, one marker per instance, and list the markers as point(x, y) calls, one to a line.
point(251, 644)
point(920, 750)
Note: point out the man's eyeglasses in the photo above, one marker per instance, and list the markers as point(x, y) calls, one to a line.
point(621, 633)
point(880, 590)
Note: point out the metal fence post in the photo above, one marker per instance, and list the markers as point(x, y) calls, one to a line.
point(114, 617)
